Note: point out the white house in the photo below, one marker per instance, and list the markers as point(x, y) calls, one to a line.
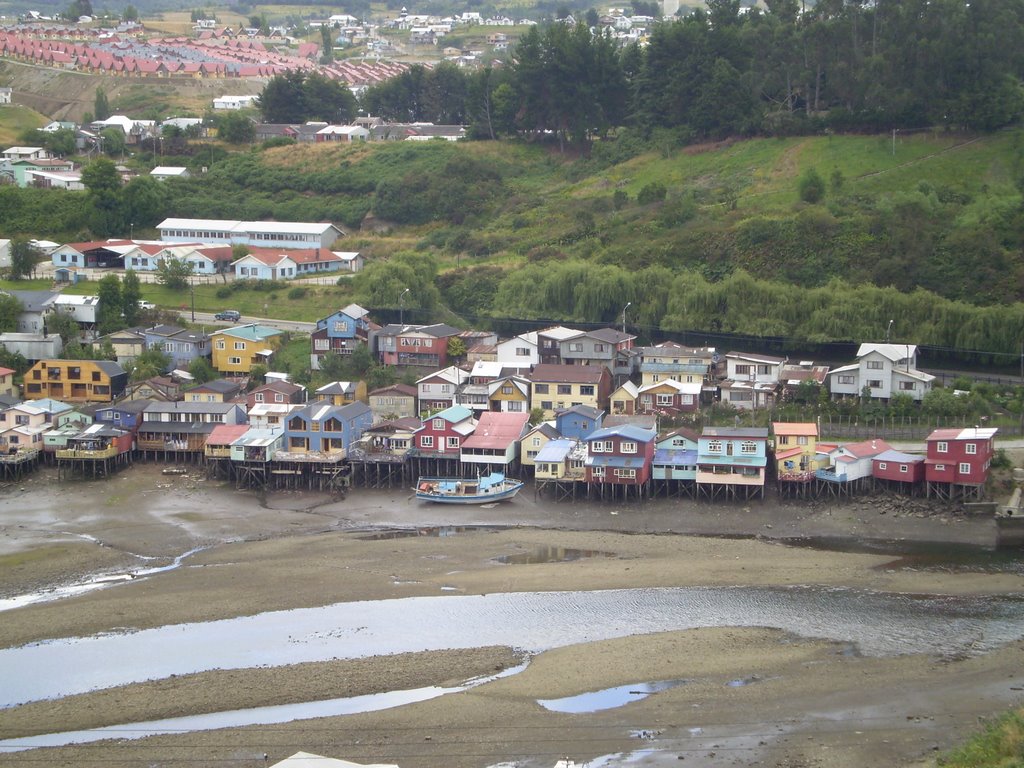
point(744, 366)
point(71, 180)
point(5, 254)
point(437, 390)
point(281, 264)
point(351, 261)
point(885, 369)
point(26, 153)
point(519, 351)
point(344, 133)
point(5, 95)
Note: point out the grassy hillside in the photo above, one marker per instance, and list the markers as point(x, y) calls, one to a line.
point(15, 119)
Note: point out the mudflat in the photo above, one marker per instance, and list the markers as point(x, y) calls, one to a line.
point(746, 696)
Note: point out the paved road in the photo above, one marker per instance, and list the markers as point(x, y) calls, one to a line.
point(284, 325)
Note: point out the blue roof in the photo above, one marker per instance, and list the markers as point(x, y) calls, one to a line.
point(629, 431)
point(454, 414)
point(555, 450)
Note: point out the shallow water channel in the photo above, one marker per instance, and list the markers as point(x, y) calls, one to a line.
point(871, 623)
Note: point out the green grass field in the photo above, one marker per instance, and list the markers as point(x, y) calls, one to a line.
point(15, 120)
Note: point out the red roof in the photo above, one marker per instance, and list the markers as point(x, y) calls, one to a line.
point(867, 448)
point(225, 434)
point(497, 430)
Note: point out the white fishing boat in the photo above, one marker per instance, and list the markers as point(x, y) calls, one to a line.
point(480, 490)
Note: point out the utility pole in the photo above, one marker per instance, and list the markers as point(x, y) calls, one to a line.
point(628, 305)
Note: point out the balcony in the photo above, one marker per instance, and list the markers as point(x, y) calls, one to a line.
point(84, 453)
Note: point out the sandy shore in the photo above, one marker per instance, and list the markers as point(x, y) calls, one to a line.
point(807, 703)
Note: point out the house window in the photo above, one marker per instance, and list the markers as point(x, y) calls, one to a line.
point(565, 389)
point(629, 447)
point(965, 468)
point(546, 405)
point(522, 352)
point(259, 397)
point(587, 390)
point(971, 449)
point(540, 389)
point(340, 326)
point(576, 347)
point(234, 361)
point(453, 442)
point(626, 473)
point(714, 446)
point(321, 344)
point(536, 442)
point(239, 346)
point(438, 424)
point(506, 390)
point(882, 465)
point(942, 447)
point(664, 399)
point(597, 446)
point(426, 441)
point(278, 398)
point(95, 375)
point(802, 440)
point(845, 378)
point(742, 370)
point(597, 471)
point(687, 399)
point(220, 344)
point(516, 406)
point(748, 446)
point(875, 383)
point(940, 467)
point(874, 365)
point(903, 468)
point(599, 347)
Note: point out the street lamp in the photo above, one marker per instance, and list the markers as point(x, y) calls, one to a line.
point(401, 308)
point(628, 305)
point(887, 329)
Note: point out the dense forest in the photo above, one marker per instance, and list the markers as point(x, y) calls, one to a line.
point(841, 65)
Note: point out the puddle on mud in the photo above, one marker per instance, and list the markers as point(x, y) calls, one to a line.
point(551, 555)
point(608, 698)
point(931, 556)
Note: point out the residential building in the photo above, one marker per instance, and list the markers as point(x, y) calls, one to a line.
point(277, 392)
point(604, 346)
point(518, 351)
point(342, 392)
point(322, 427)
point(731, 462)
point(124, 414)
point(796, 451)
point(510, 394)
point(7, 385)
point(578, 421)
point(216, 391)
point(182, 345)
point(494, 444)
point(178, 430)
point(265, 415)
point(884, 370)
point(339, 333)
point(236, 350)
point(620, 455)
point(556, 387)
point(669, 397)
point(904, 470)
point(418, 345)
point(561, 459)
point(395, 402)
point(749, 367)
point(442, 433)
point(437, 391)
point(802, 380)
point(75, 381)
point(282, 264)
point(127, 343)
point(159, 388)
point(851, 463)
point(533, 442)
point(672, 361)
point(675, 461)
point(623, 400)
point(549, 343)
point(958, 461)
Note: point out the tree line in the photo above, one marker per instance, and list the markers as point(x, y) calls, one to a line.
point(843, 65)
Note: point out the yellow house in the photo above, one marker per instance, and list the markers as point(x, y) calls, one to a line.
point(75, 381)
point(236, 350)
point(796, 445)
point(342, 392)
point(533, 441)
point(557, 387)
point(510, 394)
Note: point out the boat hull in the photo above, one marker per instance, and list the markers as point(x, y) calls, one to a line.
point(456, 491)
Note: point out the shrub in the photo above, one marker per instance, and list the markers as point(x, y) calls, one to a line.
point(297, 293)
point(811, 186)
point(620, 199)
point(651, 193)
point(224, 292)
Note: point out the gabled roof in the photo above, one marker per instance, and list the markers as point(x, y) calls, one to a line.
point(555, 450)
point(891, 352)
point(610, 335)
point(403, 390)
point(750, 433)
point(338, 388)
point(969, 433)
point(899, 457)
point(559, 332)
point(683, 432)
point(221, 386)
point(770, 359)
point(452, 374)
point(586, 411)
point(867, 448)
point(545, 428)
point(226, 434)
point(250, 332)
point(681, 387)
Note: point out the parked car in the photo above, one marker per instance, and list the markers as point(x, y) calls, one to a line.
point(146, 304)
point(228, 314)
